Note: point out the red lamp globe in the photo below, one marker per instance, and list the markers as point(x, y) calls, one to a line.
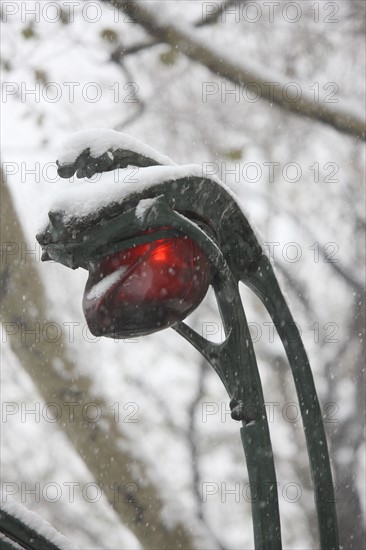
point(146, 288)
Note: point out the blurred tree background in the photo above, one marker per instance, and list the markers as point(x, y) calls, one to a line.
point(269, 96)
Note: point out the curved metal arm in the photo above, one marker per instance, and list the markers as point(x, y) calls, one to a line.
point(234, 359)
point(17, 534)
point(264, 283)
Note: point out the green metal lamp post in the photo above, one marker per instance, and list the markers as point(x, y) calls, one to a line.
point(182, 224)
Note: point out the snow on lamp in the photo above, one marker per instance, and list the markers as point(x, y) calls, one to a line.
point(145, 288)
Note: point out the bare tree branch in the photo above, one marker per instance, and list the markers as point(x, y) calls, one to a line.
point(185, 41)
point(192, 437)
point(121, 51)
point(213, 17)
point(343, 272)
point(193, 447)
point(140, 104)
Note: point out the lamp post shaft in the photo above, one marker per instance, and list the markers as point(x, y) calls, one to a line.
point(268, 290)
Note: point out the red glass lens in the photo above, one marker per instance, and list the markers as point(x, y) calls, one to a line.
point(146, 288)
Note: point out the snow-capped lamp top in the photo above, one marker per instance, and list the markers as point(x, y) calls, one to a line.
point(89, 152)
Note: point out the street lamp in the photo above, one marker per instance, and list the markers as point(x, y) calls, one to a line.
point(147, 287)
point(152, 247)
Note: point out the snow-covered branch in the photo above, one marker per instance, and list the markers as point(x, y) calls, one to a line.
point(186, 40)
